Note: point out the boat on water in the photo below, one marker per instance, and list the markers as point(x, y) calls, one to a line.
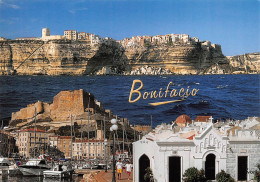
point(7, 167)
point(59, 171)
point(4, 163)
point(34, 167)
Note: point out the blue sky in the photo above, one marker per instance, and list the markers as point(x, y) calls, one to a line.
point(232, 23)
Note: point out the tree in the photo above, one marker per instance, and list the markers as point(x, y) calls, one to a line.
point(194, 175)
point(222, 176)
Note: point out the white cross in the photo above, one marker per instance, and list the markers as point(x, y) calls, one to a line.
point(211, 119)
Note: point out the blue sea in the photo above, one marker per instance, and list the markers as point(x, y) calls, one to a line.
point(222, 96)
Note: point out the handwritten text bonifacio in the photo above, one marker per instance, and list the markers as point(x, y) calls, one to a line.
point(157, 94)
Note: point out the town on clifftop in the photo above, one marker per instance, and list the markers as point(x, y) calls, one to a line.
point(81, 53)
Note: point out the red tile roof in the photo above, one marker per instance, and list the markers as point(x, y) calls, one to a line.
point(202, 118)
point(32, 130)
point(91, 140)
point(65, 137)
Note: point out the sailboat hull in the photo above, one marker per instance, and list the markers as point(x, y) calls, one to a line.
point(31, 171)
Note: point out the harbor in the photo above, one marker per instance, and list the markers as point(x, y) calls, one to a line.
point(74, 133)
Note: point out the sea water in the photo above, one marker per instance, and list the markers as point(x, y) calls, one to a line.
point(221, 96)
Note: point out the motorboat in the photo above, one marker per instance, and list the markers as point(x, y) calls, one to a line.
point(4, 163)
point(34, 167)
point(8, 168)
point(59, 171)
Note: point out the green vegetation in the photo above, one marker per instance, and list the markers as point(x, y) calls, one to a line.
point(224, 177)
point(194, 175)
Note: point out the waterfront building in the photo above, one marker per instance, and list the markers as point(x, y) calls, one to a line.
point(27, 143)
point(93, 149)
point(53, 141)
point(64, 145)
point(7, 145)
point(81, 149)
point(169, 150)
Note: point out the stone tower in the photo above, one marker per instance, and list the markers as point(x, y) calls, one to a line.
point(45, 32)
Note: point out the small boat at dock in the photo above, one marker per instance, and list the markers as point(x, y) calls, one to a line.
point(59, 171)
point(34, 167)
point(8, 168)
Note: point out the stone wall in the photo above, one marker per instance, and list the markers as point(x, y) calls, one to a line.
point(64, 104)
point(70, 102)
point(29, 111)
point(242, 149)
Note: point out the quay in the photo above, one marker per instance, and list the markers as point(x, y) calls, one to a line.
point(107, 176)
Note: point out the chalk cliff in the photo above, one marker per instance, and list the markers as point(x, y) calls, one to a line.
point(65, 57)
point(58, 57)
point(177, 58)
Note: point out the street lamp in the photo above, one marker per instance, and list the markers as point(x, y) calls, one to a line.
point(113, 129)
point(105, 144)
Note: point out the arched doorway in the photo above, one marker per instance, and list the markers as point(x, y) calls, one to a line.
point(210, 167)
point(175, 169)
point(144, 162)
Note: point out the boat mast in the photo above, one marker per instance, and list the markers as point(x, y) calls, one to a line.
point(95, 133)
point(123, 135)
point(104, 137)
point(88, 128)
point(34, 132)
point(71, 136)
point(1, 147)
point(81, 133)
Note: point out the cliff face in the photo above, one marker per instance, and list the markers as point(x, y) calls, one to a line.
point(58, 57)
point(247, 63)
point(64, 57)
point(178, 58)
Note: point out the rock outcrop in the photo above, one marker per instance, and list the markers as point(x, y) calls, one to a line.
point(148, 70)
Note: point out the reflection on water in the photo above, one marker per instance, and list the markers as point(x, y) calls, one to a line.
point(21, 178)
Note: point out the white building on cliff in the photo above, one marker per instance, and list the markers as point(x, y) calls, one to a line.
point(46, 35)
point(171, 149)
